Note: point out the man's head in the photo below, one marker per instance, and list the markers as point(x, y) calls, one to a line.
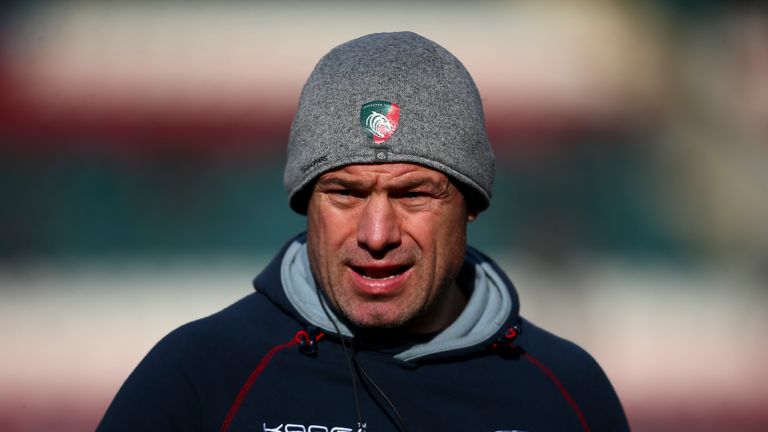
point(389, 158)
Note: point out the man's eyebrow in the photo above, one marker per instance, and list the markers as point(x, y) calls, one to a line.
point(338, 181)
point(427, 182)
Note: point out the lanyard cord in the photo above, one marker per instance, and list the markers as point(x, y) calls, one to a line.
point(354, 365)
point(344, 348)
point(381, 392)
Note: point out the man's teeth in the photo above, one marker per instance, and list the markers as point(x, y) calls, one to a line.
point(381, 274)
point(380, 278)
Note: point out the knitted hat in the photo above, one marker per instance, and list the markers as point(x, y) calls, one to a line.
point(387, 98)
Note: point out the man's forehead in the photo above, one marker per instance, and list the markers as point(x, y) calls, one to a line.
point(389, 170)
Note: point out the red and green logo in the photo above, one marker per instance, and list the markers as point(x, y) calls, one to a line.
point(379, 120)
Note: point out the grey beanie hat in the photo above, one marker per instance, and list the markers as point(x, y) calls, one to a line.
point(387, 98)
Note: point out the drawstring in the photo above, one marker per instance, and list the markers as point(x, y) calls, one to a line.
point(378, 389)
point(354, 366)
point(360, 422)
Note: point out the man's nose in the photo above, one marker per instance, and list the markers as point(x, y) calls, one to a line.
point(378, 229)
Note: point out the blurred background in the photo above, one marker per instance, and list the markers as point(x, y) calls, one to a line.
point(141, 153)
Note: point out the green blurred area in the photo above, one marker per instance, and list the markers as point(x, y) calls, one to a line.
point(595, 197)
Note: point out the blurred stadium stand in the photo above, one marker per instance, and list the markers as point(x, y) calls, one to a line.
point(141, 151)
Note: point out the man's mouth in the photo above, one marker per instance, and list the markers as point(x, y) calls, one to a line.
point(380, 273)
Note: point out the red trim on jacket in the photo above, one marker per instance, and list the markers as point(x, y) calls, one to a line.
point(560, 387)
point(251, 379)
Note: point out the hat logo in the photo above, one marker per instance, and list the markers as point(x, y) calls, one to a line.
point(378, 124)
point(379, 120)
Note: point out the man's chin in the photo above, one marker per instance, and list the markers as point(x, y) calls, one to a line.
point(377, 324)
point(376, 320)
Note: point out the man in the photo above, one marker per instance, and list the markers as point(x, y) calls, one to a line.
point(379, 318)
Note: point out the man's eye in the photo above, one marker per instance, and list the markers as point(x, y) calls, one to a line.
point(343, 194)
point(414, 196)
point(340, 193)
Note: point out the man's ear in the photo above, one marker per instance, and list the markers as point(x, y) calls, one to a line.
point(472, 211)
point(469, 200)
point(472, 207)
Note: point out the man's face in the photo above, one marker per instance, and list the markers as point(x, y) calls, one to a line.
point(386, 243)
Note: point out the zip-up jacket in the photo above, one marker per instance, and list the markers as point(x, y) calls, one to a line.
point(280, 360)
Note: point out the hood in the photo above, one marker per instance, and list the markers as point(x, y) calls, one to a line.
point(492, 307)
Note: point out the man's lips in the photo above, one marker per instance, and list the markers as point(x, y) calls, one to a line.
point(379, 280)
point(380, 272)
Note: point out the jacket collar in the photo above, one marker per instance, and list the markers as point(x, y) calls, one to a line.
point(493, 303)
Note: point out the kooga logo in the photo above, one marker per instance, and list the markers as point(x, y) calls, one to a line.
point(311, 428)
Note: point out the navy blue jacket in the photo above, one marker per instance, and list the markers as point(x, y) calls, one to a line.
point(260, 365)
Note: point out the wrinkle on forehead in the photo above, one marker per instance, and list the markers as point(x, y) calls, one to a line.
point(400, 174)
